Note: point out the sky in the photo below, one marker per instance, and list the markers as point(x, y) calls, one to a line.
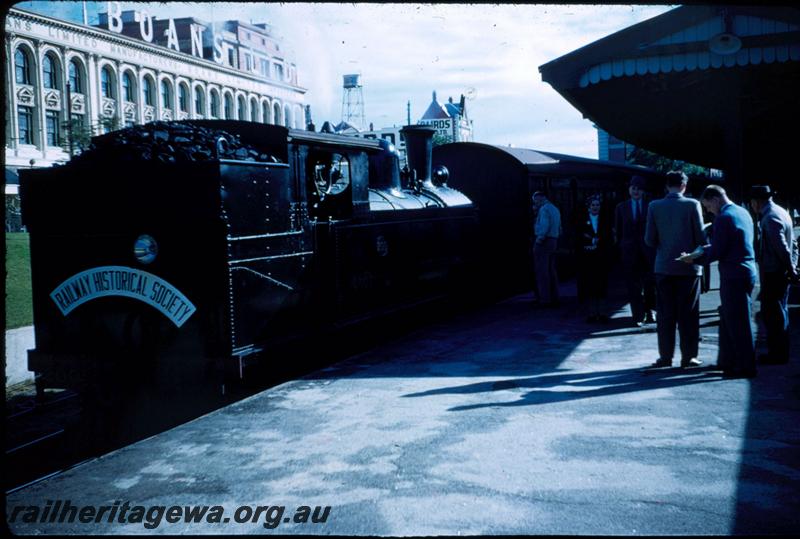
point(488, 52)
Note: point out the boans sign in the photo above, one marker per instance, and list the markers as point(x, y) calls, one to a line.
point(145, 20)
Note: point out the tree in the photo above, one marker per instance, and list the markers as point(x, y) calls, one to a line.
point(109, 123)
point(640, 156)
point(439, 139)
point(78, 133)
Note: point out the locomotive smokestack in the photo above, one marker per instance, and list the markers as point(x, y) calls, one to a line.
point(419, 147)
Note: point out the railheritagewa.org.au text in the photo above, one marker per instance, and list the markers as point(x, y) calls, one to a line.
point(153, 516)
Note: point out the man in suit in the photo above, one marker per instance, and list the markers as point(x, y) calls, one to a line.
point(732, 245)
point(777, 261)
point(547, 230)
point(675, 226)
point(630, 218)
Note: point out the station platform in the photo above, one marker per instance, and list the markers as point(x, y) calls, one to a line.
point(17, 343)
point(507, 420)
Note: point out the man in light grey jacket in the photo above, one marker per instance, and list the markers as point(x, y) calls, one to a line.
point(777, 262)
point(675, 226)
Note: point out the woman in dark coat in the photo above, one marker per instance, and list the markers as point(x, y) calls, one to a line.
point(593, 252)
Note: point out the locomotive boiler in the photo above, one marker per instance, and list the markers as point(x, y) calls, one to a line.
point(177, 253)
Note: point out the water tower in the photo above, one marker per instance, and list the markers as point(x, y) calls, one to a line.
point(353, 102)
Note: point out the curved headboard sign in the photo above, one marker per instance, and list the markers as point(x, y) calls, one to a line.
point(133, 283)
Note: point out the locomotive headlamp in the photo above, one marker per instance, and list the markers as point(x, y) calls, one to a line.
point(145, 249)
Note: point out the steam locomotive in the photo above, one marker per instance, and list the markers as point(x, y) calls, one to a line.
point(184, 249)
point(178, 253)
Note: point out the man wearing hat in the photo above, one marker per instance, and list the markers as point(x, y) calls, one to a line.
point(630, 218)
point(777, 262)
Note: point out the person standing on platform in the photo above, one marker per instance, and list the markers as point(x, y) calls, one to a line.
point(547, 230)
point(630, 218)
point(777, 261)
point(531, 249)
point(674, 226)
point(592, 243)
point(732, 245)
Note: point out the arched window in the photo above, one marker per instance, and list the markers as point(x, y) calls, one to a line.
point(166, 94)
point(287, 117)
point(214, 104)
point(128, 88)
point(242, 109)
point(276, 114)
point(199, 102)
point(148, 91)
point(228, 107)
point(75, 77)
point(50, 72)
point(265, 115)
point(183, 97)
point(22, 67)
point(107, 83)
point(253, 110)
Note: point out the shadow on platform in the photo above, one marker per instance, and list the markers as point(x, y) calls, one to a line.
point(578, 385)
point(768, 495)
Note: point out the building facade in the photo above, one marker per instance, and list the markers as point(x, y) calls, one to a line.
point(450, 120)
point(65, 79)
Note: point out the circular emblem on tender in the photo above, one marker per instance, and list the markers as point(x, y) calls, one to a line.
point(145, 249)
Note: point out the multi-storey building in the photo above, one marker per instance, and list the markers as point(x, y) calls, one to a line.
point(64, 79)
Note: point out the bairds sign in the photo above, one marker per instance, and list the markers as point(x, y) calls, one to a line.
point(145, 21)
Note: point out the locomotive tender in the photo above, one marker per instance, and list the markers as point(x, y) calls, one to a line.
point(172, 252)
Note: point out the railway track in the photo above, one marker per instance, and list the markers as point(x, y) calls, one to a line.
point(37, 437)
point(46, 437)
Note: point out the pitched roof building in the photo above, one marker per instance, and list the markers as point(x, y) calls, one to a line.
point(450, 120)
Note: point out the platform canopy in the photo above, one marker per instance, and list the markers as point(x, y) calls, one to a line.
point(713, 85)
